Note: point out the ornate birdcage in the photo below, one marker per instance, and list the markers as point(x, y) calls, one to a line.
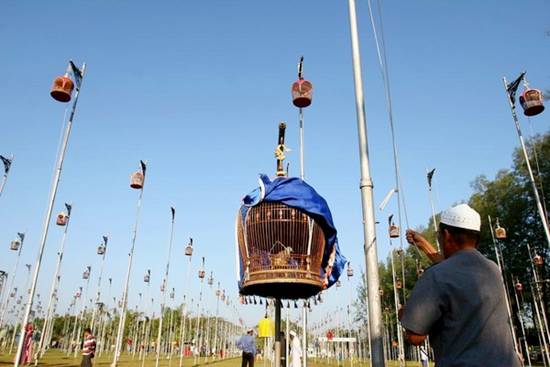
point(62, 219)
point(302, 90)
point(532, 102)
point(189, 248)
point(538, 260)
point(62, 88)
point(136, 180)
point(519, 287)
point(349, 270)
point(15, 244)
point(280, 246)
point(86, 273)
point(147, 276)
point(500, 233)
point(393, 230)
point(101, 249)
point(202, 273)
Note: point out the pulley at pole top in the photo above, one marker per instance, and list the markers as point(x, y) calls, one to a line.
point(302, 90)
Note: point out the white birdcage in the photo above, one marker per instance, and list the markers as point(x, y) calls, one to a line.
point(147, 276)
point(86, 273)
point(349, 270)
point(202, 273)
point(101, 249)
point(189, 248)
point(62, 219)
point(210, 279)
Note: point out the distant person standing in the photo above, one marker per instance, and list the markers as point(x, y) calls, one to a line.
point(295, 350)
point(26, 352)
point(88, 349)
point(247, 343)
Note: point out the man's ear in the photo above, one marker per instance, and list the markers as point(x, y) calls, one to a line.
point(447, 236)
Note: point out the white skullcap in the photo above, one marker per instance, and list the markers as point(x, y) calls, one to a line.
point(292, 332)
point(462, 216)
point(249, 330)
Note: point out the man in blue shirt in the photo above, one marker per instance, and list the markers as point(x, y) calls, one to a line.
point(247, 343)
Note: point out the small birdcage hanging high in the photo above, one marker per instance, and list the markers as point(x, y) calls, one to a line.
point(532, 101)
point(519, 287)
point(15, 244)
point(13, 292)
point(202, 273)
point(538, 260)
point(62, 88)
point(173, 293)
point(302, 90)
point(393, 229)
point(338, 284)
point(101, 249)
point(137, 179)
point(349, 270)
point(500, 233)
point(62, 219)
point(189, 248)
point(147, 276)
point(211, 279)
point(398, 284)
point(86, 273)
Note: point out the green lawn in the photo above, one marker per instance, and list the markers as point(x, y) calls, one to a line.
point(58, 359)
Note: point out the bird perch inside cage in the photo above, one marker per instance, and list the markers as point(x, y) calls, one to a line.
point(286, 240)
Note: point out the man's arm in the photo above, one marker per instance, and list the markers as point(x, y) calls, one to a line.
point(416, 239)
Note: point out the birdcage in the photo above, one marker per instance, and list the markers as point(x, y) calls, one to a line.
point(398, 284)
point(538, 260)
point(210, 279)
point(394, 231)
point(85, 274)
point(519, 287)
point(15, 244)
point(120, 303)
point(136, 180)
point(302, 93)
point(500, 233)
point(62, 219)
point(147, 276)
point(62, 88)
point(338, 284)
point(381, 291)
point(532, 102)
point(162, 287)
point(13, 293)
point(173, 293)
point(101, 249)
point(280, 246)
point(349, 271)
point(218, 292)
point(189, 248)
point(78, 293)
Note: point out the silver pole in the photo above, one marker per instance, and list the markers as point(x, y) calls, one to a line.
point(44, 341)
point(433, 212)
point(164, 287)
point(520, 318)
point(542, 214)
point(12, 282)
point(508, 308)
point(47, 219)
point(98, 294)
point(122, 319)
point(366, 186)
point(538, 296)
point(401, 351)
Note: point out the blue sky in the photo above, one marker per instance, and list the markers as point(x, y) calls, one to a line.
point(197, 89)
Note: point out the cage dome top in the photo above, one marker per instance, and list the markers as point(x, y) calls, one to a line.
point(295, 201)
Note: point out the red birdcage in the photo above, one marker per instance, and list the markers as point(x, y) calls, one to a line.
point(538, 260)
point(519, 287)
point(281, 249)
point(532, 102)
point(302, 90)
point(62, 88)
point(62, 219)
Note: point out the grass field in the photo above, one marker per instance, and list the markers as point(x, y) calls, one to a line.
point(58, 359)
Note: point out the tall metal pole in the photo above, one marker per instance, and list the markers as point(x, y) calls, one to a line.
point(197, 325)
point(47, 219)
point(98, 294)
point(508, 308)
point(542, 214)
point(432, 205)
point(164, 287)
point(120, 331)
point(12, 282)
point(401, 350)
point(366, 186)
point(520, 318)
point(53, 290)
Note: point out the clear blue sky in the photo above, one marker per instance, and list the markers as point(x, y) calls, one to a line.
point(197, 89)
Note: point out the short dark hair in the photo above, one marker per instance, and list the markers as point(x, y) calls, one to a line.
point(461, 235)
point(88, 330)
